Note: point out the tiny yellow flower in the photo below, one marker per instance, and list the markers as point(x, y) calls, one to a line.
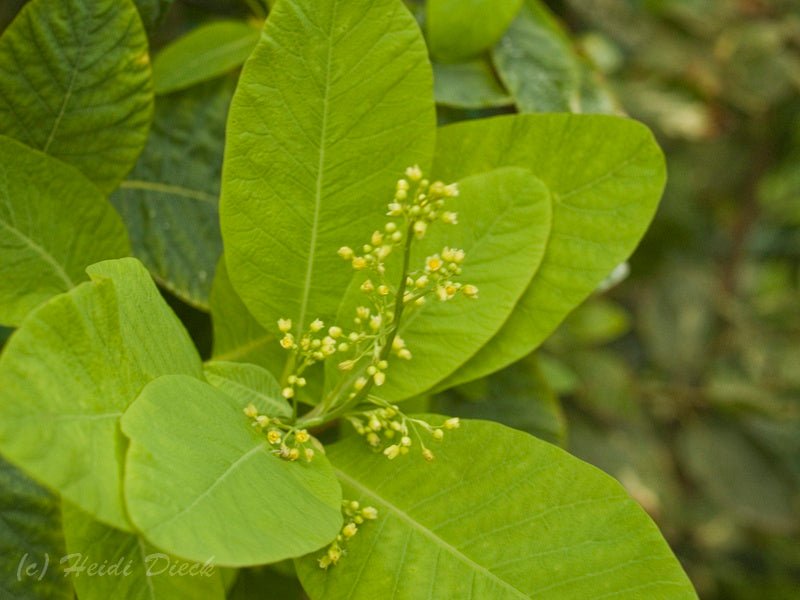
point(414, 173)
point(427, 455)
point(346, 252)
point(379, 378)
point(377, 238)
point(452, 423)
point(335, 332)
point(309, 454)
point(316, 325)
point(360, 383)
point(470, 291)
point(383, 290)
point(302, 436)
point(438, 434)
point(287, 393)
point(405, 441)
point(392, 451)
point(262, 420)
point(433, 263)
point(402, 184)
point(349, 530)
point(251, 411)
point(359, 263)
point(369, 512)
point(274, 436)
point(287, 341)
point(420, 227)
point(450, 218)
point(284, 325)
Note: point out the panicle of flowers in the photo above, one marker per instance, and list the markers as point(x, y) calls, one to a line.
point(438, 278)
point(388, 430)
point(288, 442)
point(355, 515)
point(421, 202)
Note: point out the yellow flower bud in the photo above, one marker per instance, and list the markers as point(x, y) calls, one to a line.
point(392, 452)
point(284, 325)
point(251, 411)
point(346, 252)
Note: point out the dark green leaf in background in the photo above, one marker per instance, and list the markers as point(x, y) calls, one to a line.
point(470, 84)
point(75, 83)
point(169, 201)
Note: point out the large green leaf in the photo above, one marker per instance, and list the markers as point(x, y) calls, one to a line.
point(169, 201)
point(152, 12)
point(135, 569)
point(250, 384)
point(606, 175)
point(237, 335)
point(498, 514)
point(333, 104)
point(53, 224)
point(200, 481)
point(459, 29)
point(204, 53)
point(468, 85)
point(76, 84)
point(70, 371)
point(31, 542)
point(504, 221)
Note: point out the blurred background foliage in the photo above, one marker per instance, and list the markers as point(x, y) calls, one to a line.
point(681, 376)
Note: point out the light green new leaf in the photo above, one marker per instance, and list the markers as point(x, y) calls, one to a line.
point(204, 53)
point(169, 201)
point(75, 81)
point(237, 335)
point(200, 481)
point(30, 536)
point(605, 174)
point(70, 371)
point(498, 514)
point(468, 85)
point(53, 224)
point(537, 64)
point(333, 104)
point(504, 221)
point(459, 29)
point(249, 384)
point(135, 569)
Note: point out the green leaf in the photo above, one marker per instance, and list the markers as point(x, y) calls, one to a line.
point(230, 496)
point(135, 570)
point(606, 175)
point(76, 84)
point(597, 321)
point(169, 201)
point(152, 12)
point(504, 221)
point(518, 396)
point(459, 29)
point(333, 104)
point(53, 224)
point(237, 335)
point(70, 371)
point(468, 85)
point(30, 538)
point(254, 583)
point(498, 514)
point(537, 64)
point(205, 53)
point(249, 384)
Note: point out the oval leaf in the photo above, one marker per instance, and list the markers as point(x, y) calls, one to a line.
point(76, 84)
point(53, 223)
point(70, 371)
point(498, 514)
point(606, 175)
point(230, 497)
point(334, 103)
point(504, 221)
point(204, 53)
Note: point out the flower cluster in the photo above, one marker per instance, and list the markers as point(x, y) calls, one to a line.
point(288, 443)
point(437, 278)
point(355, 516)
point(424, 204)
point(387, 429)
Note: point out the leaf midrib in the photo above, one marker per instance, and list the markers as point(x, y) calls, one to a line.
point(168, 189)
point(45, 256)
point(320, 170)
point(455, 552)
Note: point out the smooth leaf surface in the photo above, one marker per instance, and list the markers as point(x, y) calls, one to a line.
point(169, 201)
point(75, 83)
point(53, 224)
point(605, 174)
point(70, 371)
point(459, 29)
point(204, 53)
point(30, 534)
point(333, 104)
point(249, 384)
point(504, 221)
point(468, 85)
point(498, 514)
point(136, 570)
point(200, 481)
